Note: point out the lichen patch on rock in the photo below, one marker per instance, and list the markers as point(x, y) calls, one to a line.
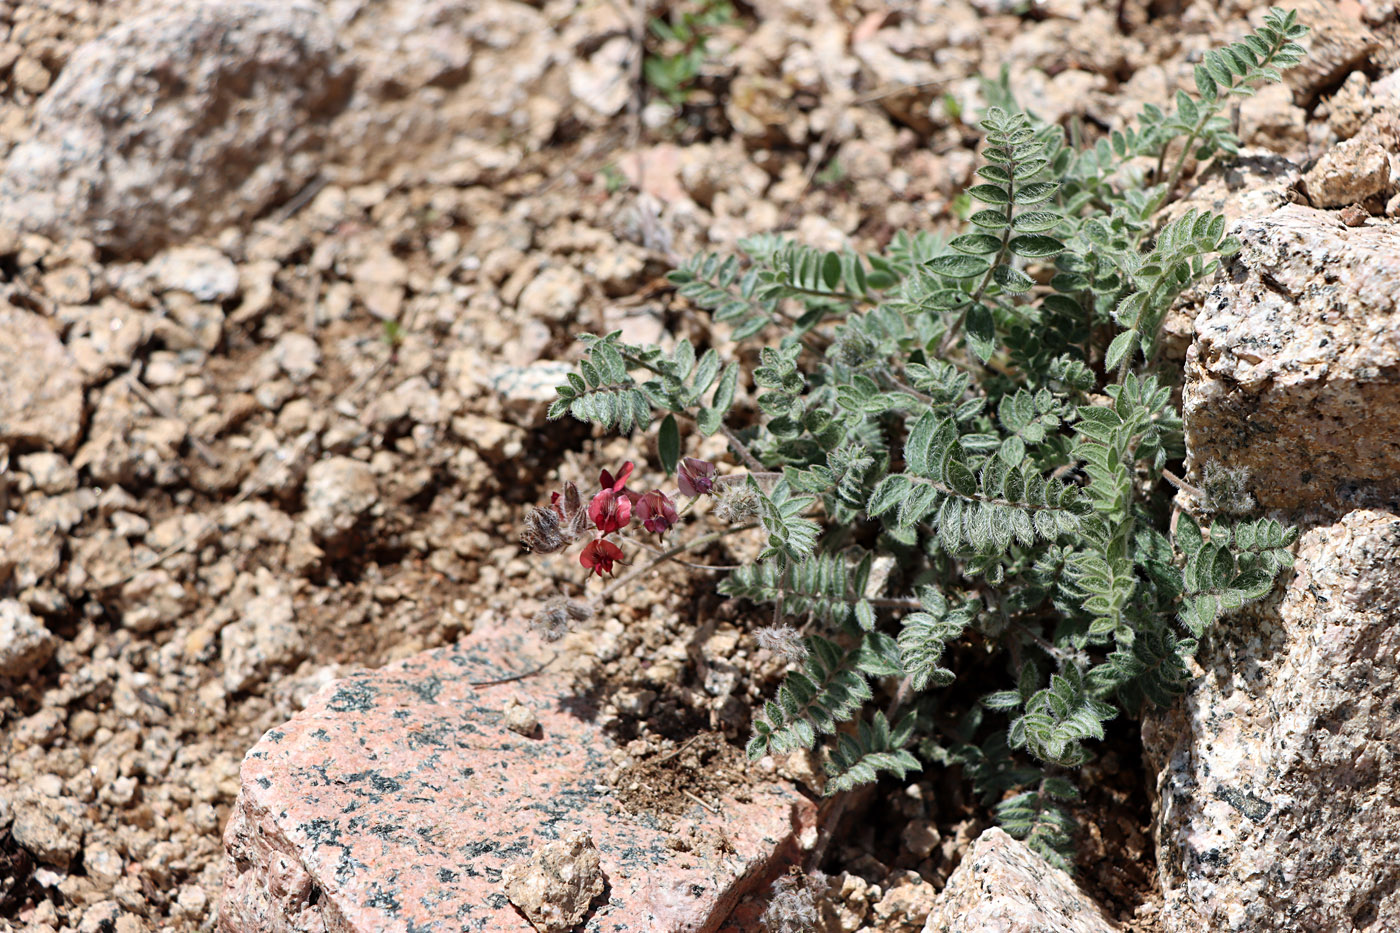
point(400, 796)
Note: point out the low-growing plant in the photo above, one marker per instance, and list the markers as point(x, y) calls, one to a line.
point(959, 455)
point(684, 36)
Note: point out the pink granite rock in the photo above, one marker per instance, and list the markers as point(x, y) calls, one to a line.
point(399, 797)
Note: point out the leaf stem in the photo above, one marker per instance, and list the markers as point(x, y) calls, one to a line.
point(947, 342)
point(741, 448)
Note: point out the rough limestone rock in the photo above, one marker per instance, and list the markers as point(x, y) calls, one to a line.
point(25, 644)
point(49, 827)
point(1003, 887)
point(555, 887)
point(1277, 809)
point(339, 491)
point(41, 387)
point(1359, 169)
point(190, 118)
point(1338, 44)
point(1295, 369)
point(398, 799)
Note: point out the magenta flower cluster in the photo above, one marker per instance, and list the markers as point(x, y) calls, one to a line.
point(614, 506)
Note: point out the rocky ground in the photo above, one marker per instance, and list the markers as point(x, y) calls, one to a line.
point(284, 287)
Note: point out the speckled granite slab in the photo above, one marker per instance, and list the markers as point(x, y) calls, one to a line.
point(396, 799)
point(1001, 886)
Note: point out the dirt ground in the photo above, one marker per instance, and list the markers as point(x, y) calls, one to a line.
point(396, 321)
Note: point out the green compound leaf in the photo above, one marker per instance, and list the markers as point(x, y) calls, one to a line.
point(978, 410)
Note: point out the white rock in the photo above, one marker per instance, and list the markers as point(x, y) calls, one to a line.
point(201, 271)
point(297, 355)
point(264, 638)
point(554, 887)
point(49, 827)
point(526, 391)
point(41, 387)
point(1349, 173)
point(553, 295)
point(339, 491)
point(1001, 885)
point(380, 278)
point(51, 473)
point(104, 338)
point(25, 644)
point(520, 718)
point(71, 285)
point(601, 84)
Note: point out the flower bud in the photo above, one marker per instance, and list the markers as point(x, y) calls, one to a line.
point(543, 532)
point(552, 529)
point(782, 640)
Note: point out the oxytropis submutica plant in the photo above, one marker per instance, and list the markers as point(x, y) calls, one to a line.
point(984, 420)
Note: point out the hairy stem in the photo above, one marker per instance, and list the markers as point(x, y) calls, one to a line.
point(664, 556)
point(652, 549)
point(741, 448)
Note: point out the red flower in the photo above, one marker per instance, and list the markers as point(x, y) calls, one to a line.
point(620, 484)
point(598, 556)
point(656, 511)
point(696, 477)
point(610, 511)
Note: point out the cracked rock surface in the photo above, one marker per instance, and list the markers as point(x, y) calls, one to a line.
point(1295, 370)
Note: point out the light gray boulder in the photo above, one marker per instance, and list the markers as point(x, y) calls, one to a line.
point(1294, 373)
point(187, 119)
point(1277, 810)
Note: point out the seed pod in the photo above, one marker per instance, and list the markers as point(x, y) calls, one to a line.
point(543, 532)
point(737, 503)
point(552, 621)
